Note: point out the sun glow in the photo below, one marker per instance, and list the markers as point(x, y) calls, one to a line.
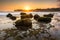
point(27, 8)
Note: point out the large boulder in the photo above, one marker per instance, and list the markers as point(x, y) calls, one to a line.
point(42, 19)
point(23, 24)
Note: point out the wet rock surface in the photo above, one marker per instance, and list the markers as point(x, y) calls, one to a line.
point(49, 15)
point(42, 19)
point(11, 16)
point(24, 15)
point(23, 24)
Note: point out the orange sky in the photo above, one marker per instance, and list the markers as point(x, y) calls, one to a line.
point(21, 5)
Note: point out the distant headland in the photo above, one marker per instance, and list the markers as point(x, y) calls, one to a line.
point(40, 10)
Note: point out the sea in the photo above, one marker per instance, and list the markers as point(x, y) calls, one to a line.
point(6, 23)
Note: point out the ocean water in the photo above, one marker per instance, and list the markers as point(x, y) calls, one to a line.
point(6, 23)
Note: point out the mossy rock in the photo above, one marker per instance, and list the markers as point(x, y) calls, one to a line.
point(23, 24)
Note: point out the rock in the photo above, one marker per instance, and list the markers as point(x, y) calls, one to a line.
point(23, 24)
point(49, 15)
point(24, 15)
point(42, 19)
point(36, 17)
point(30, 15)
point(11, 16)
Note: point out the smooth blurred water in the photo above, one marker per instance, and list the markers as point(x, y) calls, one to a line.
point(6, 23)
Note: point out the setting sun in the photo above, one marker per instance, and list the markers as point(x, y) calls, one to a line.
point(27, 8)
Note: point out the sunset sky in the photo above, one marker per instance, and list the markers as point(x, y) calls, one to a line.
point(8, 5)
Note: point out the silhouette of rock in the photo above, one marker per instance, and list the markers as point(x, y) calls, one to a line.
point(49, 15)
point(42, 19)
point(11, 16)
point(23, 24)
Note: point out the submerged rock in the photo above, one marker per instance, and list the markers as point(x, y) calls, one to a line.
point(23, 24)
